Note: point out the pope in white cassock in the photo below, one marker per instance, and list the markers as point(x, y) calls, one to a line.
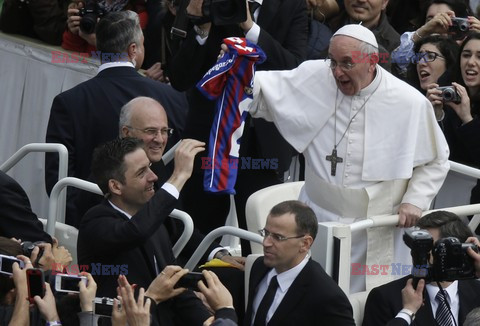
point(371, 142)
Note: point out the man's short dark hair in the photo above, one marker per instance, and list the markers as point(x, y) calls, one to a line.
point(304, 216)
point(117, 30)
point(109, 160)
point(449, 224)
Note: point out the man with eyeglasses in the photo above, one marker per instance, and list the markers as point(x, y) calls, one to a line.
point(371, 143)
point(287, 287)
point(145, 118)
point(86, 115)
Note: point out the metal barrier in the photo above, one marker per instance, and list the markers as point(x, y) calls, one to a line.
point(54, 205)
point(219, 232)
point(43, 147)
point(342, 234)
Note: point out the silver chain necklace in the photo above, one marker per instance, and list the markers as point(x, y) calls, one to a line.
point(334, 158)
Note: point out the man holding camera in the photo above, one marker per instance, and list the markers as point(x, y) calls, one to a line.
point(86, 115)
point(390, 304)
point(279, 28)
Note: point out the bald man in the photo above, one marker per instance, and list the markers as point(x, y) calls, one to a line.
point(145, 118)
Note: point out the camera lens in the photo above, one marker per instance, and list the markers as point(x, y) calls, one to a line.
point(87, 24)
point(448, 95)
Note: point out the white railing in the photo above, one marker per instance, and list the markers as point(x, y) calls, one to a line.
point(62, 165)
point(344, 232)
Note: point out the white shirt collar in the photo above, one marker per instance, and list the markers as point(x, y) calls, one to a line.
point(286, 278)
point(120, 210)
point(373, 85)
point(107, 65)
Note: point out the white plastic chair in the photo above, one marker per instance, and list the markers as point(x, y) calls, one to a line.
point(261, 202)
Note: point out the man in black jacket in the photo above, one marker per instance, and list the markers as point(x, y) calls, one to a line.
point(127, 231)
point(384, 303)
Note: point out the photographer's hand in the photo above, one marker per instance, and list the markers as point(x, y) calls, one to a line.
point(434, 95)
point(462, 109)
point(163, 286)
point(20, 314)
point(247, 25)
point(47, 260)
point(62, 256)
point(47, 305)
point(412, 299)
point(475, 256)
point(216, 293)
point(88, 292)
point(73, 20)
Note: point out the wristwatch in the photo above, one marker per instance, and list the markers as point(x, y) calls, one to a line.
point(409, 313)
point(221, 253)
point(200, 32)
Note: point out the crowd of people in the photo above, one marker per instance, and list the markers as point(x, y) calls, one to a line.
point(375, 95)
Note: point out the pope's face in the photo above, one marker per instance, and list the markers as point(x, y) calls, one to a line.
point(351, 81)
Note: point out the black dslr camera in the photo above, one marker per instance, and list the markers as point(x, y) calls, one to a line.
point(459, 28)
point(449, 94)
point(450, 258)
point(225, 12)
point(90, 14)
point(27, 248)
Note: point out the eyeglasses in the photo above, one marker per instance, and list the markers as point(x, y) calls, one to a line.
point(154, 131)
point(344, 66)
point(427, 56)
point(277, 237)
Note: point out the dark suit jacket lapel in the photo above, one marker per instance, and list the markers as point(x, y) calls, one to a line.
point(294, 294)
point(424, 314)
point(258, 272)
point(268, 12)
point(468, 297)
point(147, 248)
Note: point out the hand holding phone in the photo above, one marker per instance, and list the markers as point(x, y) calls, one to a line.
point(190, 281)
point(6, 263)
point(69, 283)
point(36, 283)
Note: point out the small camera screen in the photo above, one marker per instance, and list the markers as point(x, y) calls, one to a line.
point(70, 283)
point(7, 264)
point(104, 308)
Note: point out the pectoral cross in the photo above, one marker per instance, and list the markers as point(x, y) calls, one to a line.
point(334, 159)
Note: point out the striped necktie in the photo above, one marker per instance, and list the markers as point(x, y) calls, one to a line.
point(252, 6)
point(443, 316)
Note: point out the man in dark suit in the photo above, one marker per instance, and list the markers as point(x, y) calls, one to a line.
point(385, 305)
point(87, 115)
point(127, 230)
point(17, 220)
point(279, 27)
point(303, 293)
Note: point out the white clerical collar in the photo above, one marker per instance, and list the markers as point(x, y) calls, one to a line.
point(452, 291)
point(120, 210)
point(107, 65)
point(286, 278)
point(373, 85)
